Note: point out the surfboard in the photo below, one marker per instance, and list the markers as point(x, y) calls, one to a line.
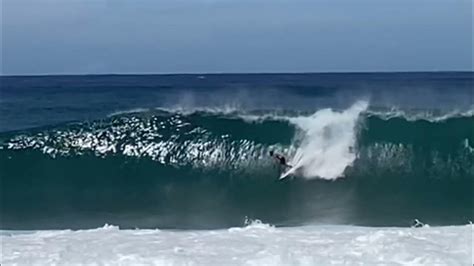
point(289, 172)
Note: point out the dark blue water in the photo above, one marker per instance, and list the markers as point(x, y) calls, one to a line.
point(33, 101)
point(190, 151)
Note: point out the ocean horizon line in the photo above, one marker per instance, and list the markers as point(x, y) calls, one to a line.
point(235, 73)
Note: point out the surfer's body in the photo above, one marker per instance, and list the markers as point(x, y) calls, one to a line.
point(285, 168)
point(280, 159)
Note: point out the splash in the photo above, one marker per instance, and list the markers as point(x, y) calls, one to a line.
point(325, 142)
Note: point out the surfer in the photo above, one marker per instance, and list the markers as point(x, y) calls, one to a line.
point(280, 159)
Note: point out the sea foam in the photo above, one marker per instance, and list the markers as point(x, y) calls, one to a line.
point(325, 143)
point(255, 244)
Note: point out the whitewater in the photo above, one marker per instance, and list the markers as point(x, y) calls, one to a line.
point(325, 146)
point(254, 244)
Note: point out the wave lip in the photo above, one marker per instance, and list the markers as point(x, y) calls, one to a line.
point(423, 115)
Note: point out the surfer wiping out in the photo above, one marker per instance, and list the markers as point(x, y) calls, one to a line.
point(280, 159)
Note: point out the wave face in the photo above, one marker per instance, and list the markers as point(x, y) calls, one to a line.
point(167, 169)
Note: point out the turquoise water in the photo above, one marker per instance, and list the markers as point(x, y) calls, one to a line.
point(187, 152)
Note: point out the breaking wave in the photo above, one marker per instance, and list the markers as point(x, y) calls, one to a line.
point(165, 169)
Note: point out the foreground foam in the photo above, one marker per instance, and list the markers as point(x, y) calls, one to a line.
point(256, 244)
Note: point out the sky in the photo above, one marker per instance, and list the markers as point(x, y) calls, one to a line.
point(234, 36)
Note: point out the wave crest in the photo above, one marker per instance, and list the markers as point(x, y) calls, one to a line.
point(324, 144)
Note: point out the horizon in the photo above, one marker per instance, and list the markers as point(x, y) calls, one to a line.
point(236, 73)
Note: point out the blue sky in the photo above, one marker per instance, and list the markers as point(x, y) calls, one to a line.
point(202, 36)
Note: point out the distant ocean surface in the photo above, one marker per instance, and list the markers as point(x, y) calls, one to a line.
point(190, 152)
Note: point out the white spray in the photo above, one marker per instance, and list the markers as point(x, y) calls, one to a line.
point(325, 142)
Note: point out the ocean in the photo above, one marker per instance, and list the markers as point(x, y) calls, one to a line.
point(174, 169)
